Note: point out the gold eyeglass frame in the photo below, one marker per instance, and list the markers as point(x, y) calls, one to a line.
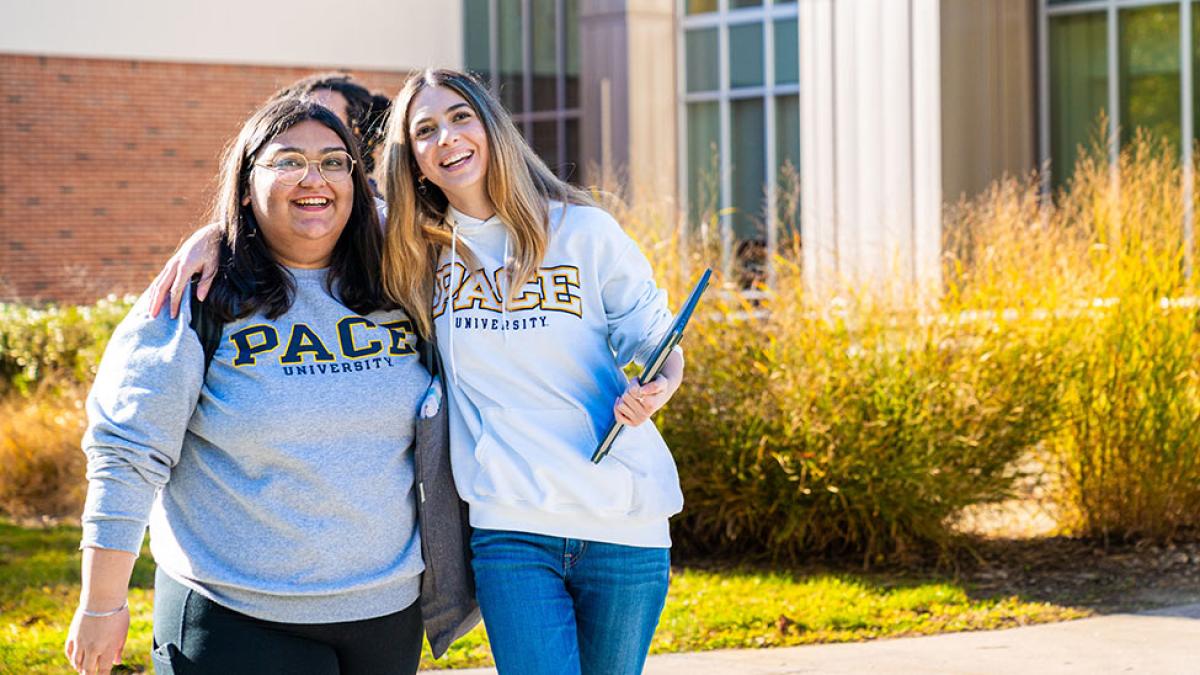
point(279, 172)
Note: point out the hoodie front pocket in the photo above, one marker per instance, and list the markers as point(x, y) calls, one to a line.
point(644, 454)
point(540, 458)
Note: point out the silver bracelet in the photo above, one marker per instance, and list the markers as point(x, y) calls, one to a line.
point(101, 615)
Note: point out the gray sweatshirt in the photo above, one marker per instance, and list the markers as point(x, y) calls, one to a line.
point(280, 486)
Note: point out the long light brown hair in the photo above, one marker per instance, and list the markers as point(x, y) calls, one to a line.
point(519, 185)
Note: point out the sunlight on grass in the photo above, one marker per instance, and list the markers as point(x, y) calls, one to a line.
point(725, 610)
point(39, 585)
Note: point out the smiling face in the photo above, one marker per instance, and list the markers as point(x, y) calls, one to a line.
point(300, 223)
point(450, 145)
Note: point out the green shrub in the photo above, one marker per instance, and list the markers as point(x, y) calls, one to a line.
point(38, 344)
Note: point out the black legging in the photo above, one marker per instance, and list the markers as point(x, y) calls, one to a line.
point(193, 634)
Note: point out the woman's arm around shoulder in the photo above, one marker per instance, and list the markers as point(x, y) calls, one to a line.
point(197, 255)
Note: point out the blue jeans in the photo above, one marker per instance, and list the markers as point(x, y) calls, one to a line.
point(554, 605)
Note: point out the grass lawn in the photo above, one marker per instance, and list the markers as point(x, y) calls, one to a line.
point(39, 585)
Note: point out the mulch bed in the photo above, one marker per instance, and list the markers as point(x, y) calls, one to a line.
point(1088, 574)
point(1078, 572)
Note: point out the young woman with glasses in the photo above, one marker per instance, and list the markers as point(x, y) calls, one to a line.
point(277, 481)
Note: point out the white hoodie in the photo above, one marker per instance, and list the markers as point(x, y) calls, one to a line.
point(532, 384)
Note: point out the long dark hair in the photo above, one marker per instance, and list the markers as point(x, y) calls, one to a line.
point(249, 279)
point(367, 111)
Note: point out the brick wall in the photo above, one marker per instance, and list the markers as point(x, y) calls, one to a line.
point(107, 165)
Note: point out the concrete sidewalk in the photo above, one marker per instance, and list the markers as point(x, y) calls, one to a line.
point(1159, 641)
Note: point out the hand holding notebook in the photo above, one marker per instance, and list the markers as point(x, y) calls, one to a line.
point(655, 364)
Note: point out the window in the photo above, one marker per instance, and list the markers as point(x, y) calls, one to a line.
point(528, 52)
point(1119, 59)
point(1078, 86)
point(740, 131)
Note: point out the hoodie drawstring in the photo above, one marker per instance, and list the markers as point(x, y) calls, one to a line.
point(504, 292)
point(450, 292)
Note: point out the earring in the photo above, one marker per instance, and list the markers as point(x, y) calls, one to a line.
point(421, 187)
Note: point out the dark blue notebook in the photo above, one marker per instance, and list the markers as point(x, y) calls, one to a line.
point(658, 358)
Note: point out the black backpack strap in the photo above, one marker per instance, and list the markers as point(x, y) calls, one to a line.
point(207, 326)
point(428, 353)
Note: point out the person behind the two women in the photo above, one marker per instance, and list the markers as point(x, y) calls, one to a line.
point(538, 301)
point(279, 487)
point(364, 113)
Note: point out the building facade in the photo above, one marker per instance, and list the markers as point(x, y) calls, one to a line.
point(845, 125)
point(114, 114)
point(839, 122)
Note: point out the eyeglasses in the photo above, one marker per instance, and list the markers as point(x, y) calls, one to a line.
point(292, 167)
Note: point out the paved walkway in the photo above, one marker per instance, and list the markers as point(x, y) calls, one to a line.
point(1160, 641)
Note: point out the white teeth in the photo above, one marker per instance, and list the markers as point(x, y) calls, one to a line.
point(457, 157)
point(312, 201)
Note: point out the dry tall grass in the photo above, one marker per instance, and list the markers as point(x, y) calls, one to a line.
point(858, 426)
point(1105, 269)
point(866, 423)
point(41, 464)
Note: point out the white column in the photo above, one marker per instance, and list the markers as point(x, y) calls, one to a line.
point(871, 144)
point(818, 182)
point(889, 260)
point(851, 206)
point(927, 147)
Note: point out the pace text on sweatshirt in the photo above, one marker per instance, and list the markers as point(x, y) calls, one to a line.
point(533, 382)
point(280, 486)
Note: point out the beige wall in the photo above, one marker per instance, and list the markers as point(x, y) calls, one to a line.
point(371, 34)
point(653, 111)
point(988, 93)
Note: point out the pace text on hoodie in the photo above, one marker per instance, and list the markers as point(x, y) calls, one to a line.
point(280, 486)
point(533, 383)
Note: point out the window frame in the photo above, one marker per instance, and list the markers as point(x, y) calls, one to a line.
point(722, 20)
point(1112, 9)
point(566, 167)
